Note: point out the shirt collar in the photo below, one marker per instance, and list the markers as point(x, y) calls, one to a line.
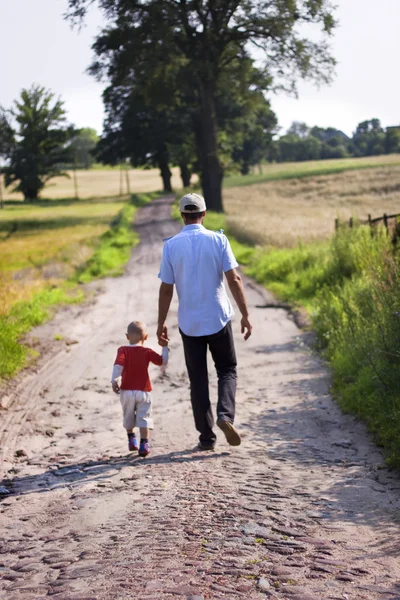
point(193, 227)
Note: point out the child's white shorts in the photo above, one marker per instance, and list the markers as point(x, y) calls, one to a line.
point(136, 408)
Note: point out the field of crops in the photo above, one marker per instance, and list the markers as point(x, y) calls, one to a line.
point(281, 213)
point(279, 171)
point(100, 183)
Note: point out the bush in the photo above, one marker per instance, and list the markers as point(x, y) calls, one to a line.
point(358, 325)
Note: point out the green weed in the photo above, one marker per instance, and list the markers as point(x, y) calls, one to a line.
point(115, 245)
point(24, 316)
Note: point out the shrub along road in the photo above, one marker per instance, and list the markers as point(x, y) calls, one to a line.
point(304, 509)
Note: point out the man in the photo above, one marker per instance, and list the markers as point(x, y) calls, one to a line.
point(195, 261)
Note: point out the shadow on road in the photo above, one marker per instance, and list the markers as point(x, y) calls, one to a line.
point(76, 474)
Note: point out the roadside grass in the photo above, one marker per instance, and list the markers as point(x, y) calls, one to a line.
point(282, 213)
point(115, 245)
point(25, 315)
point(351, 288)
point(29, 296)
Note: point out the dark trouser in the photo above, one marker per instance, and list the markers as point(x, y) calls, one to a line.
point(223, 352)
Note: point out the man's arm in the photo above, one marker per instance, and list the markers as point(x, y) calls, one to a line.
point(164, 302)
point(236, 286)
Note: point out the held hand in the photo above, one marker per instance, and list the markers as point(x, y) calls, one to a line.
point(247, 327)
point(162, 335)
point(115, 387)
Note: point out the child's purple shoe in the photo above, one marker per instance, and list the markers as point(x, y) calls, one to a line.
point(144, 449)
point(132, 443)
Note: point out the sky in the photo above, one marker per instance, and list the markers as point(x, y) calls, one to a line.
point(38, 46)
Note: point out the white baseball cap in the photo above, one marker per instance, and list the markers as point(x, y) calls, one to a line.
point(195, 201)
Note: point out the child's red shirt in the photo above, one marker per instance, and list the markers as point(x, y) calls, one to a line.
point(135, 361)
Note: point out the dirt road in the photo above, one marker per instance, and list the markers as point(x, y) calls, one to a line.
point(302, 510)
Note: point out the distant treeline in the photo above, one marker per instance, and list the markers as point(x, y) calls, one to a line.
point(302, 142)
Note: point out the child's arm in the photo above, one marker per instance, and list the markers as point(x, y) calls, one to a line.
point(165, 355)
point(155, 358)
point(117, 369)
point(116, 373)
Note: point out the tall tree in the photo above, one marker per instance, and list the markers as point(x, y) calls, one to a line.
point(212, 33)
point(41, 138)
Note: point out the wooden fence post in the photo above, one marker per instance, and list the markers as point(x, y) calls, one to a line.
point(1, 191)
point(336, 224)
point(351, 222)
point(75, 182)
point(128, 185)
point(385, 220)
point(120, 179)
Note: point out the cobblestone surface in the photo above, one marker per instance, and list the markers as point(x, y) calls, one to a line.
point(303, 510)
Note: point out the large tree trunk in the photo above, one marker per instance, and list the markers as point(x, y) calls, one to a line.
point(207, 141)
point(165, 172)
point(186, 174)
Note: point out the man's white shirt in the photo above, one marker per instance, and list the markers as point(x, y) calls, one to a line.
point(195, 261)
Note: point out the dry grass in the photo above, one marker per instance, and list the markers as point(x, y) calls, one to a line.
point(103, 183)
point(32, 235)
point(281, 213)
point(13, 290)
point(44, 244)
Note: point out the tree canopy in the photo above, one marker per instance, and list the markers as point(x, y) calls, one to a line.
point(302, 142)
point(207, 37)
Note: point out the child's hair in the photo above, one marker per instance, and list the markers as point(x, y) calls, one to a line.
point(137, 329)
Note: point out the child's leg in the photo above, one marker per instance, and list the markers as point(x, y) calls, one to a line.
point(144, 420)
point(144, 433)
point(129, 417)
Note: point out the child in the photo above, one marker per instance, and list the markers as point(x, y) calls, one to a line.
point(132, 363)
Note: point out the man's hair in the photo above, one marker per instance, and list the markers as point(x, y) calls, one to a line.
point(192, 216)
point(137, 328)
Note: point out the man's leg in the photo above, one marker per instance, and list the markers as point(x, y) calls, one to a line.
point(223, 352)
point(195, 349)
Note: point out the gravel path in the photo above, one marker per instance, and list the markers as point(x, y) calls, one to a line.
point(303, 510)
